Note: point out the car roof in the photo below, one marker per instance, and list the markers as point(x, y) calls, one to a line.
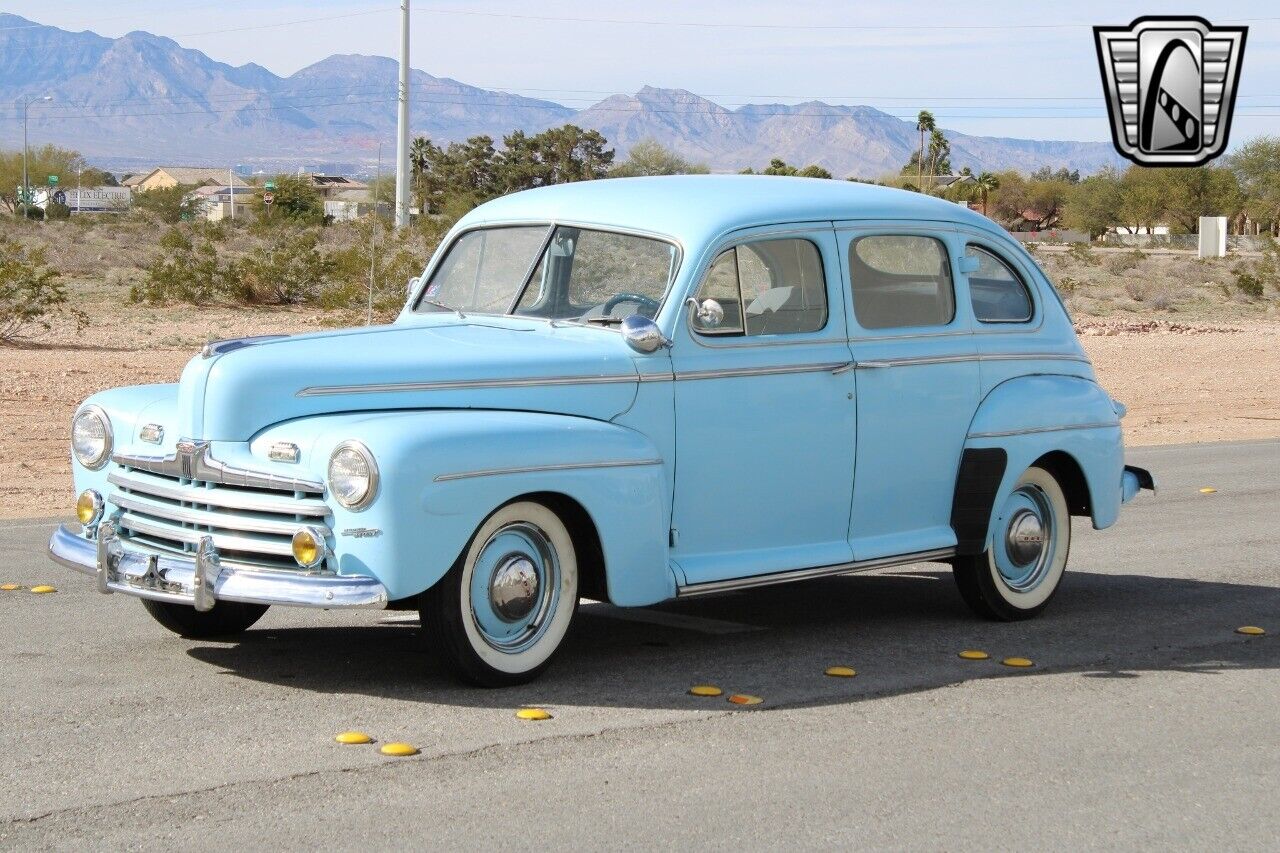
point(694, 207)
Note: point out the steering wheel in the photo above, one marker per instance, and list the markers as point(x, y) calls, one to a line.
point(640, 299)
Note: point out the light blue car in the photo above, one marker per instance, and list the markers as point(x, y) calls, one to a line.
point(626, 390)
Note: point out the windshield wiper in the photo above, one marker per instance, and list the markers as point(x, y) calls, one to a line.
point(444, 307)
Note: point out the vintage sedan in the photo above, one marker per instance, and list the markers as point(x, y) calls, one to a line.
point(628, 390)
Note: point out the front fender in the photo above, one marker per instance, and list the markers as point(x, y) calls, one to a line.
point(1030, 417)
point(443, 472)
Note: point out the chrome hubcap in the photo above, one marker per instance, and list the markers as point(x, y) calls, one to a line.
point(1025, 537)
point(513, 590)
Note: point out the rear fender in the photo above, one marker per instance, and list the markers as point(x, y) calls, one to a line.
point(1030, 417)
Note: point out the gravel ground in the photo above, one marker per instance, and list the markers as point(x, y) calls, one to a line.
point(1182, 382)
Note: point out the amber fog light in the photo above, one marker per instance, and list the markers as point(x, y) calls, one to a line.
point(308, 547)
point(89, 507)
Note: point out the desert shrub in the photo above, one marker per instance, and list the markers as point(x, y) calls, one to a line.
point(184, 271)
point(30, 292)
point(57, 211)
point(1137, 290)
point(1162, 301)
point(395, 259)
point(32, 212)
point(1067, 284)
point(1084, 253)
point(1247, 282)
point(290, 269)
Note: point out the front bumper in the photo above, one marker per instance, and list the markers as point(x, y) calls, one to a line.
point(201, 580)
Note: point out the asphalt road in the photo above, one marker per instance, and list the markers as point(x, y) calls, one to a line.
point(1145, 722)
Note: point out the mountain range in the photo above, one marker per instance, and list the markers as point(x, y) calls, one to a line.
point(140, 99)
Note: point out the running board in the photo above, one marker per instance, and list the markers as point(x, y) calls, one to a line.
point(819, 572)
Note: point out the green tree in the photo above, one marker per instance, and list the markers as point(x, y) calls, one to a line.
point(30, 293)
point(1093, 204)
point(1143, 200)
point(1256, 165)
point(1203, 191)
point(649, 157)
point(296, 201)
point(778, 166)
point(167, 204)
point(939, 156)
point(986, 184)
point(925, 123)
point(42, 162)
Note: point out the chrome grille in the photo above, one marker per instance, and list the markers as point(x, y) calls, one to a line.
point(250, 526)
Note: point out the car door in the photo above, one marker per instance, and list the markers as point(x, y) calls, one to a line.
point(765, 410)
point(918, 383)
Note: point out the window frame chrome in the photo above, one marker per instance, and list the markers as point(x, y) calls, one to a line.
point(1018, 276)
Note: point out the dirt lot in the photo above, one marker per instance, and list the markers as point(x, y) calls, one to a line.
point(1182, 383)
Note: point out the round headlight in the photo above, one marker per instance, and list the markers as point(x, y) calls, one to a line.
point(91, 438)
point(353, 475)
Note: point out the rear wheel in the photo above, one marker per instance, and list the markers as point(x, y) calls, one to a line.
point(1024, 563)
point(499, 615)
point(226, 618)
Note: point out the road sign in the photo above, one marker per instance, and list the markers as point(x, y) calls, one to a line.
point(53, 180)
point(270, 185)
point(268, 198)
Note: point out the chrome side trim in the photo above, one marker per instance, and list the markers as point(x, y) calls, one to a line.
point(734, 372)
point(711, 587)
point(220, 520)
point(192, 461)
point(464, 384)
point(176, 579)
point(532, 469)
point(1035, 430)
point(213, 348)
point(1035, 356)
point(139, 482)
point(913, 361)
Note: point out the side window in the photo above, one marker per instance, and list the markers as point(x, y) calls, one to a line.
point(776, 287)
point(901, 281)
point(998, 293)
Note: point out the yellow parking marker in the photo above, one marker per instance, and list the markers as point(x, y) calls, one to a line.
point(705, 690)
point(532, 714)
point(398, 749)
point(841, 671)
point(1021, 662)
point(353, 737)
point(745, 699)
point(1208, 490)
point(43, 589)
point(1251, 630)
point(974, 654)
point(10, 587)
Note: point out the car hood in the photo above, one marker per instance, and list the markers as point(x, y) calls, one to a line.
point(504, 364)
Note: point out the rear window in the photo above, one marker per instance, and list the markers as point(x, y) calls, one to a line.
point(997, 292)
point(901, 281)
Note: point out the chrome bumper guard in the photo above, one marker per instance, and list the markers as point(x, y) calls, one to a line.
point(203, 581)
point(1134, 480)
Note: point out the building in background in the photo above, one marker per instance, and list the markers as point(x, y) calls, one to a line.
point(214, 202)
point(331, 186)
point(163, 177)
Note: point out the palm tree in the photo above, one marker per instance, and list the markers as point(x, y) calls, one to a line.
point(987, 183)
point(924, 124)
point(939, 149)
point(419, 153)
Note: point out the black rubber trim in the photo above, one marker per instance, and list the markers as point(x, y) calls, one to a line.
point(1145, 480)
point(981, 470)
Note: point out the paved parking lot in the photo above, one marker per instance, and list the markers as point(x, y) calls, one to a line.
point(1146, 721)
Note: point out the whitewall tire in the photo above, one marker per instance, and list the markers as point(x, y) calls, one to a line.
point(499, 615)
point(1027, 555)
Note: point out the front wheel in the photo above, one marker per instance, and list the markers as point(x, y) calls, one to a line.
point(1024, 562)
point(226, 618)
point(499, 615)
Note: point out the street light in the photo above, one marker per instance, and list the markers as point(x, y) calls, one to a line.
point(26, 184)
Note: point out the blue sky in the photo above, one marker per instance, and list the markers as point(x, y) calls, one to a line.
point(994, 68)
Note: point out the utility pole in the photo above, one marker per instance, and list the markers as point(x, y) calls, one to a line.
point(26, 183)
point(402, 123)
point(231, 185)
point(374, 224)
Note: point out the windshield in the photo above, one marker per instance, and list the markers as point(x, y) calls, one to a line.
point(579, 274)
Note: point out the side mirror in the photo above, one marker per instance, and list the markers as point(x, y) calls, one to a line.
point(968, 264)
point(643, 335)
point(412, 286)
